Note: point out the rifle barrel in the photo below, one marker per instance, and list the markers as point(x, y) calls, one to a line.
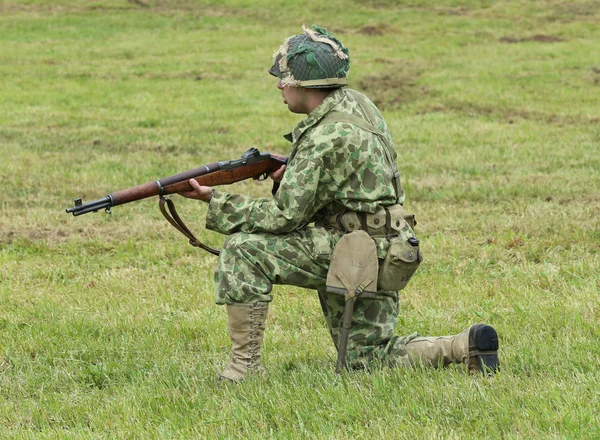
point(93, 206)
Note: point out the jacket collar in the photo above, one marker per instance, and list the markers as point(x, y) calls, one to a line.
point(313, 118)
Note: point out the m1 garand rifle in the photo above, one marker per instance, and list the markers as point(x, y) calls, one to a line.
point(253, 164)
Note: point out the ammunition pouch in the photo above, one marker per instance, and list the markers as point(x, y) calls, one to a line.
point(385, 222)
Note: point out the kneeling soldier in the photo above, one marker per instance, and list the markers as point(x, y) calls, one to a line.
point(335, 224)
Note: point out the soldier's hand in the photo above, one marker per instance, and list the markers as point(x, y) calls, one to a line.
point(199, 192)
point(277, 175)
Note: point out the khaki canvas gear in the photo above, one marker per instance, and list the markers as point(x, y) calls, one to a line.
point(246, 325)
point(402, 260)
point(476, 347)
point(352, 273)
point(411, 220)
point(387, 221)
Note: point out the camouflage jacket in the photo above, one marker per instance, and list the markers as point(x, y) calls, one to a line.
point(332, 167)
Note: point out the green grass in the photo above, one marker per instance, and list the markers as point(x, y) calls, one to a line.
point(107, 323)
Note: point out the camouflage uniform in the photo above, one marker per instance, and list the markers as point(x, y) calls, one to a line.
point(333, 167)
point(342, 164)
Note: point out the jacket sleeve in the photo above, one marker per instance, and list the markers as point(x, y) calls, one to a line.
point(296, 201)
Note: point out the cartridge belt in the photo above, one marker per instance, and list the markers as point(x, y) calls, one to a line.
point(385, 222)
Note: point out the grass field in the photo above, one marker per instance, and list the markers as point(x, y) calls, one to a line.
point(107, 323)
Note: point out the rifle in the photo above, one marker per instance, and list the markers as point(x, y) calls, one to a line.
point(253, 164)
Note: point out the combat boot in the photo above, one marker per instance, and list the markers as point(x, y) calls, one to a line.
point(477, 347)
point(246, 325)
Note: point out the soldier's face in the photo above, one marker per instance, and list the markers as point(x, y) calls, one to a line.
point(294, 97)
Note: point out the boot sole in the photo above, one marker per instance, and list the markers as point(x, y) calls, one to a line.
point(483, 346)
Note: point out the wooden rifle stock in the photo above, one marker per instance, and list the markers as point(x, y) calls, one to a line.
point(253, 164)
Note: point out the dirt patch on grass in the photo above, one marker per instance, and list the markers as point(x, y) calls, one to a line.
point(196, 76)
point(513, 115)
point(158, 76)
point(139, 3)
point(537, 38)
point(107, 235)
point(596, 75)
point(375, 30)
point(516, 241)
point(370, 30)
point(454, 11)
point(508, 115)
point(395, 87)
point(587, 8)
point(8, 236)
point(384, 61)
point(151, 6)
point(547, 39)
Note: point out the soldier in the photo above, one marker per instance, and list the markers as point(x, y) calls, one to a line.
point(341, 178)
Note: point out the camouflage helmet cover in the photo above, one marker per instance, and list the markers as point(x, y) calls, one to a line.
point(313, 59)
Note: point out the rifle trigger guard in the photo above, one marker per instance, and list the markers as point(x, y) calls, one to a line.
point(261, 177)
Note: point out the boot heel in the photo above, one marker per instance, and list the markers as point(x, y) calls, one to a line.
point(483, 349)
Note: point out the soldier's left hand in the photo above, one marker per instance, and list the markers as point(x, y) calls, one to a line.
point(277, 175)
point(199, 192)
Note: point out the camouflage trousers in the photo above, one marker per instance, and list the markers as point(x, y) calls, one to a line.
point(250, 264)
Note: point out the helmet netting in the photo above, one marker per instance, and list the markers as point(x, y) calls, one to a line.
point(312, 59)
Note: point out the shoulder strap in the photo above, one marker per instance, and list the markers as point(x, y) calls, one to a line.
point(348, 118)
point(178, 224)
point(363, 124)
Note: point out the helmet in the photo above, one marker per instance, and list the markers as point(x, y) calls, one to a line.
point(313, 59)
